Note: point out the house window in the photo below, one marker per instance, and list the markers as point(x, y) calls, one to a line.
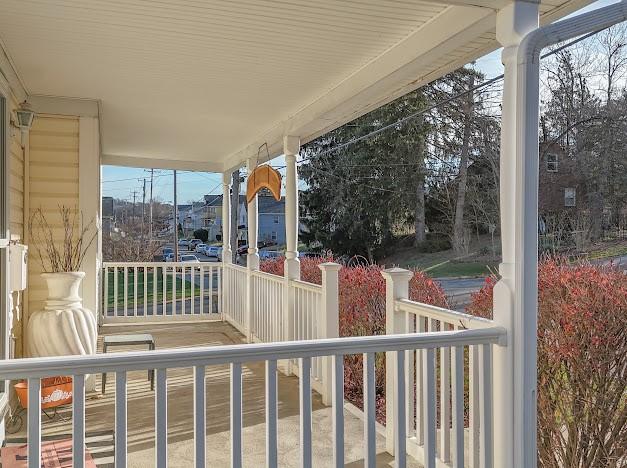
point(274, 236)
point(551, 162)
point(276, 220)
point(569, 196)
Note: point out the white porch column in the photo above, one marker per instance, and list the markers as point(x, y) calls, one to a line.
point(227, 252)
point(89, 201)
point(291, 147)
point(514, 395)
point(252, 258)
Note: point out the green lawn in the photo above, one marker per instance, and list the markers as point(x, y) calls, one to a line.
point(181, 285)
point(451, 269)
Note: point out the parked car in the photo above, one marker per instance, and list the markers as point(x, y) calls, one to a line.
point(189, 258)
point(193, 243)
point(243, 250)
point(200, 248)
point(214, 253)
point(184, 243)
point(166, 252)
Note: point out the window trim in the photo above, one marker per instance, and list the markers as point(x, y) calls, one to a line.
point(567, 198)
point(549, 163)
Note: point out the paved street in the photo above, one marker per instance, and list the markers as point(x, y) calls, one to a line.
point(458, 290)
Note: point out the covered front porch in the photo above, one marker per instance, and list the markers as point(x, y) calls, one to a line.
point(249, 367)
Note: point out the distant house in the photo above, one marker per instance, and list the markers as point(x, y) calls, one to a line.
point(271, 222)
point(562, 186)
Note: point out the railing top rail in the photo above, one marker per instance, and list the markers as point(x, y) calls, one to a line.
point(236, 267)
point(446, 315)
point(144, 264)
point(306, 285)
point(215, 355)
point(268, 276)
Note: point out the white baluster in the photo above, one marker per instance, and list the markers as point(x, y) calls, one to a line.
point(200, 423)
point(125, 291)
point(400, 438)
point(120, 419)
point(219, 291)
point(236, 415)
point(78, 421)
point(305, 412)
point(420, 394)
point(192, 295)
point(473, 403)
point(429, 414)
point(164, 286)
point(154, 290)
point(34, 423)
point(445, 401)
point(485, 390)
point(105, 309)
point(183, 270)
point(145, 268)
point(161, 419)
point(338, 411)
point(458, 406)
point(135, 280)
point(202, 289)
point(115, 291)
point(370, 391)
point(271, 414)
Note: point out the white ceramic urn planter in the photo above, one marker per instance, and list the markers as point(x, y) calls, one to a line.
point(64, 326)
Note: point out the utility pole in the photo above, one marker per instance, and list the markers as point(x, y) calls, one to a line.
point(143, 209)
point(176, 223)
point(133, 209)
point(152, 172)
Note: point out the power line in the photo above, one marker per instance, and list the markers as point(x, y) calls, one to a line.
point(440, 103)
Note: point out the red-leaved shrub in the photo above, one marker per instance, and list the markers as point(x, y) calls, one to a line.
point(362, 313)
point(582, 363)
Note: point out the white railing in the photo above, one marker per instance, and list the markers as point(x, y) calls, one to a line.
point(449, 447)
point(234, 293)
point(397, 346)
point(307, 322)
point(268, 311)
point(148, 291)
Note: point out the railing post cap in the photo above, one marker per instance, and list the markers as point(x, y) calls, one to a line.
point(397, 274)
point(330, 266)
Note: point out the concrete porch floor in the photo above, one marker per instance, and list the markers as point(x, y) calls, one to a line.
point(100, 409)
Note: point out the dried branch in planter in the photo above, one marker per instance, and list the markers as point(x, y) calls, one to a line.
point(77, 239)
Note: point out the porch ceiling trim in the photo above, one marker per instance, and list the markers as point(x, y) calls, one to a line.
point(159, 163)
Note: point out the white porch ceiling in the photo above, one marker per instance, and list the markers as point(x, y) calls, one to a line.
point(202, 83)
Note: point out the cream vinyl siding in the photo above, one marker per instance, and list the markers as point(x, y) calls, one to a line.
point(53, 183)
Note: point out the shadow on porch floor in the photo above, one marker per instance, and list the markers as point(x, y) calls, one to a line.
point(100, 409)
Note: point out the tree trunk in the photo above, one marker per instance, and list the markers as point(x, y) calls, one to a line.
point(234, 213)
point(459, 243)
